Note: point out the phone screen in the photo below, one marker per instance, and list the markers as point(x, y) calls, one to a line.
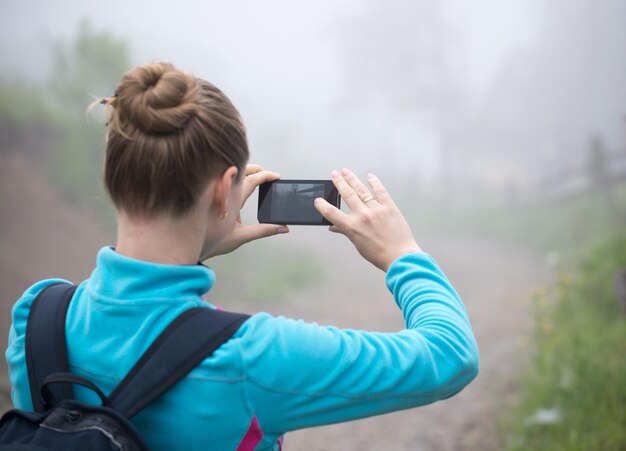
point(291, 201)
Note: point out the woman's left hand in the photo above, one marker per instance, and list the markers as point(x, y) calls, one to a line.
point(241, 234)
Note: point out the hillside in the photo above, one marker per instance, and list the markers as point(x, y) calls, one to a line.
point(41, 236)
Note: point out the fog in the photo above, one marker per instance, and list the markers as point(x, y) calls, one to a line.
point(499, 127)
point(424, 90)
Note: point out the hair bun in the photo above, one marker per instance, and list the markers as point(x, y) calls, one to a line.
point(156, 98)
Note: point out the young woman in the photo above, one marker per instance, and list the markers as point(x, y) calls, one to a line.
point(176, 170)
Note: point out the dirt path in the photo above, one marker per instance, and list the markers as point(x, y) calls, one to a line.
point(41, 236)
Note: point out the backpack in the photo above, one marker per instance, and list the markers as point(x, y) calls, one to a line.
point(61, 423)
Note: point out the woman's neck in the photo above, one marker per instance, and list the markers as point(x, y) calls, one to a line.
point(160, 239)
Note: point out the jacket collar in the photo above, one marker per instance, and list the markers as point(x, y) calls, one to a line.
point(121, 278)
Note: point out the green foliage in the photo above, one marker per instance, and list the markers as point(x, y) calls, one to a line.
point(85, 67)
point(23, 113)
point(88, 66)
point(22, 105)
point(580, 366)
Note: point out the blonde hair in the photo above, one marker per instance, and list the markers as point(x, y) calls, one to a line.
point(169, 134)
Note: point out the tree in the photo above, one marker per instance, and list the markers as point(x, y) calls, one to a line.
point(403, 59)
point(568, 85)
point(86, 67)
point(89, 65)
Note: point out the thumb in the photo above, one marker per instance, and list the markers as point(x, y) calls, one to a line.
point(334, 228)
point(255, 231)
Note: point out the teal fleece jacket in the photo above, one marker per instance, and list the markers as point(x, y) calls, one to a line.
point(276, 374)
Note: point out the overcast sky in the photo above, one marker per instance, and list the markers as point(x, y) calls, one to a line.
point(267, 48)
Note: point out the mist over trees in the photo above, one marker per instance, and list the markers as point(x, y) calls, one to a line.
point(551, 98)
point(50, 121)
point(399, 101)
point(406, 64)
point(87, 66)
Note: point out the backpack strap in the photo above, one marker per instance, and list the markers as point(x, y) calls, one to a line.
point(187, 341)
point(46, 350)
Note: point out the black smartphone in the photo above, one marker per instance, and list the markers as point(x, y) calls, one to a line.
point(291, 201)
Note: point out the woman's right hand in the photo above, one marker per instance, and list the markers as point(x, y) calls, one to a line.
point(241, 233)
point(375, 224)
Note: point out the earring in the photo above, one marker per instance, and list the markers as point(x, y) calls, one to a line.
point(224, 215)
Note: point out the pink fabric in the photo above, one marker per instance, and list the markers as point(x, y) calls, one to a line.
point(252, 437)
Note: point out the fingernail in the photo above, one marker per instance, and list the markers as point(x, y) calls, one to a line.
point(345, 171)
point(282, 230)
point(317, 200)
point(334, 174)
point(370, 175)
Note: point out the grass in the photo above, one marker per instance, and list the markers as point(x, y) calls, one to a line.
point(579, 367)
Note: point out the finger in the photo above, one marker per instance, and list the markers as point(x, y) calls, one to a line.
point(253, 232)
point(330, 212)
point(255, 179)
point(382, 196)
point(252, 168)
point(347, 192)
point(334, 229)
point(362, 191)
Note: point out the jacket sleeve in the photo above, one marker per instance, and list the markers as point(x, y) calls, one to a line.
point(301, 375)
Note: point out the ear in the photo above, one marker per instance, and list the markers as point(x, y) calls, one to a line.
point(222, 188)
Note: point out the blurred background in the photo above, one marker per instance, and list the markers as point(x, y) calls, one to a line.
point(499, 127)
